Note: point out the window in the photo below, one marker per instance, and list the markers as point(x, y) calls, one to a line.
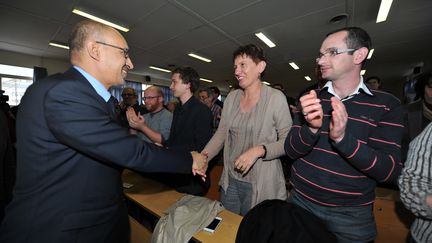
point(15, 89)
point(15, 81)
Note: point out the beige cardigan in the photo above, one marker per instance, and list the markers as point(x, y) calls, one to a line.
point(271, 128)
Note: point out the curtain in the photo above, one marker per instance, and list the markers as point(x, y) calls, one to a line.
point(39, 73)
point(168, 94)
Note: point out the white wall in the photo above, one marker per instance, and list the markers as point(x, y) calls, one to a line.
point(58, 66)
point(23, 60)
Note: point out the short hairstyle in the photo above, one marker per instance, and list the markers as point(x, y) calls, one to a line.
point(82, 31)
point(189, 76)
point(157, 89)
point(373, 77)
point(254, 52)
point(210, 91)
point(215, 90)
point(356, 37)
point(129, 88)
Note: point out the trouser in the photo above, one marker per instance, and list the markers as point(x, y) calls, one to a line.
point(348, 224)
point(238, 196)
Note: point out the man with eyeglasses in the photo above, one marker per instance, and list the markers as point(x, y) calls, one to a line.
point(130, 99)
point(345, 139)
point(71, 152)
point(154, 126)
point(206, 96)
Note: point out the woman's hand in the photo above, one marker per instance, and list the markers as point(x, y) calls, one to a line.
point(246, 160)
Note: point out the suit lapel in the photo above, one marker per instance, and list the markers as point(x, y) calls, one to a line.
point(109, 107)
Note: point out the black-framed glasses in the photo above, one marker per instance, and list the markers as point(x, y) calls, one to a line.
point(127, 95)
point(150, 97)
point(124, 50)
point(331, 52)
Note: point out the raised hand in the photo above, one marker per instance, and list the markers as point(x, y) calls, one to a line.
point(134, 120)
point(312, 110)
point(199, 165)
point(246, 160)
point(339, 119)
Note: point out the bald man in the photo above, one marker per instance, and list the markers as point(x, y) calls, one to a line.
point(71, 152)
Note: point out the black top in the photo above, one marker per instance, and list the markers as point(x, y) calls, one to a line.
point(191, 129)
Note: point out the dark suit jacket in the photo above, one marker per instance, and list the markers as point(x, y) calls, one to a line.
point(70, 158)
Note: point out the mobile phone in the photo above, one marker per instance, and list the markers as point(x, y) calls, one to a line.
point(127, 185)
point(213, 225)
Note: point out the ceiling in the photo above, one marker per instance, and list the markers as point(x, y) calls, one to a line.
point(162, 32)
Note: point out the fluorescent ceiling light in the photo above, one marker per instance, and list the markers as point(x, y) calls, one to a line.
point(370, 53)
point(199, 57)
point(307, 78)
point(266, 83)
point(103, 21)
point(362, 72)
point(293, 65)
point(206, 80)
point(265, 39)
point(58, 44)
point(384, 10)
point(160, 69)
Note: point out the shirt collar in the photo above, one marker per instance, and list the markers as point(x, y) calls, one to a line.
point(98, 86)
point(361, 86)
point(188, 103)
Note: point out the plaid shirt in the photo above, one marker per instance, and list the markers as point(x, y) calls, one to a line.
point(216, 112)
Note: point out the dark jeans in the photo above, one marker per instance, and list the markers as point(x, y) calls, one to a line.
point(238, 196)
point(348, 224)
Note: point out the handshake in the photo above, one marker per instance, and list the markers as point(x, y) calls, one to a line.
point(200, 164)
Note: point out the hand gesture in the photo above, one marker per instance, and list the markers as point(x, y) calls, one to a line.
point(339, 119)
point(312, 110)
point(199, 165)
point(135, 121)
point(246, 160)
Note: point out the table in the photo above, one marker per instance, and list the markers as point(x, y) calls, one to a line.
point(156, 197)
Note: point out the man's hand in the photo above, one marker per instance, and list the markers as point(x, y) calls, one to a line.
point(339, 119)
point(199, 165)
point(246, 160)
point(312, 110)
point(135, 121)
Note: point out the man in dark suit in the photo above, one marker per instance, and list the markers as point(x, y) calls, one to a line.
point(71, 151)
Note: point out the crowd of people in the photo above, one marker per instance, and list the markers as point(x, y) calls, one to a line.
point(341, 137)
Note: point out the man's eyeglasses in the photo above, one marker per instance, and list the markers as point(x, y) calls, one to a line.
point(127, 95)
point(150, 97)
point(331, 52)
point(124, 50)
